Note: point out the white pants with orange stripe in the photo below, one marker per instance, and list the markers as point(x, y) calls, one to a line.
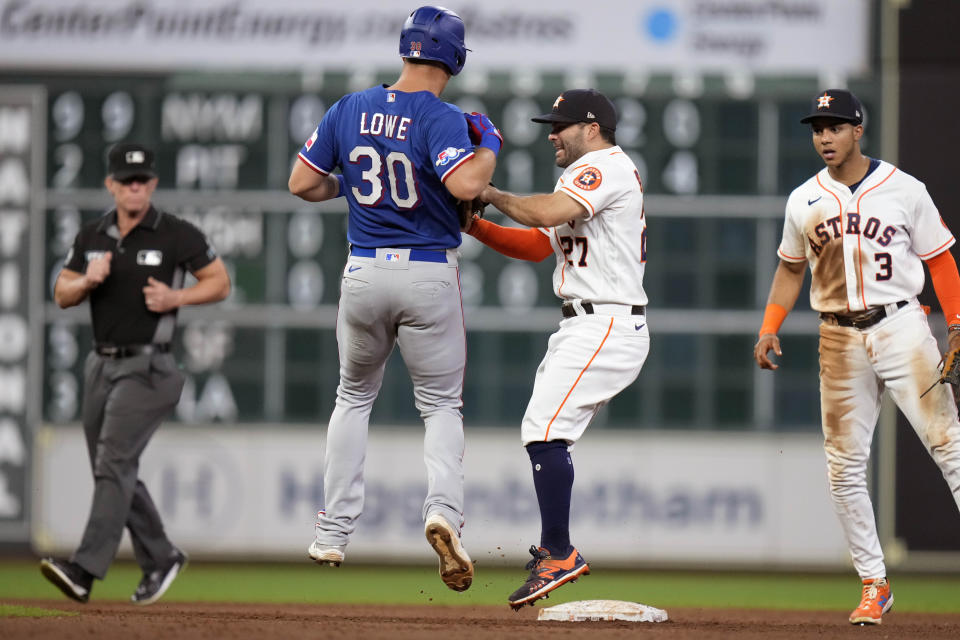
point(589, 360)
point(898, 354)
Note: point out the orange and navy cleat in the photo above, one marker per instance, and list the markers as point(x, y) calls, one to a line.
point(876, 601)
point(546, 574)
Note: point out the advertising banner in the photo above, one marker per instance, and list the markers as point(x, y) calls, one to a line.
point(648, 36)
point(639, 498)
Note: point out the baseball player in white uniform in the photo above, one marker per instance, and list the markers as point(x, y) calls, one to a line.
point(594, 224)
point(865, 227)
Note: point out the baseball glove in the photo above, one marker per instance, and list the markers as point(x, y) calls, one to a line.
point(467, 208)
point(949, 372)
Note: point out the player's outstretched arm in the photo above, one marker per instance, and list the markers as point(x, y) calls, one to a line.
point(787, 282)
point(522, 244)
point(538, 210)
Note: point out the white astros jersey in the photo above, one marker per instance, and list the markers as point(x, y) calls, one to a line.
point(601, 258)
point(864, 248)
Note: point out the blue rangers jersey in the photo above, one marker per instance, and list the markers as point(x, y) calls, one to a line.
point(395, 150)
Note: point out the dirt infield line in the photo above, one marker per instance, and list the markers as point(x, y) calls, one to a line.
point(109, 621)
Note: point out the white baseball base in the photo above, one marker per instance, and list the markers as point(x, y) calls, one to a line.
point(594, 610)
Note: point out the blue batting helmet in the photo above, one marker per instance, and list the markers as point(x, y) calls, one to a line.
point(434, 33)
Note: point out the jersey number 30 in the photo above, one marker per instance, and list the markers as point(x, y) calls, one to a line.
point(373, 176)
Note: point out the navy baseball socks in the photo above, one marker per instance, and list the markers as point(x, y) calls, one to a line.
point(553, 480)
point(556, 562)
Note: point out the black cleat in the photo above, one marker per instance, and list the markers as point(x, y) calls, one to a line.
point(155, 584)
point(73, 580)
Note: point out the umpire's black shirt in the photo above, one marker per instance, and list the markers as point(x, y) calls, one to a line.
point(162, 246)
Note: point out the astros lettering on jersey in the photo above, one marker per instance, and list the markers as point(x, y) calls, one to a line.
point(864, 250)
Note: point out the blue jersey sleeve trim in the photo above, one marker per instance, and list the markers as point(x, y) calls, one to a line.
point(447, 173)
point(306, 160)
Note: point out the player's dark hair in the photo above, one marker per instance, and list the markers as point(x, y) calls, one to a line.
point(608, 135)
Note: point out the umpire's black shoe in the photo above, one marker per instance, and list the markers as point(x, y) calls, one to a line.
point(69, 577)
point(155, 584)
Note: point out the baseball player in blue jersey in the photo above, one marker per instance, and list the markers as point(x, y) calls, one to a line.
point(404, 156)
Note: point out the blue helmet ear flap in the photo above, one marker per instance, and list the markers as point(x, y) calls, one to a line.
point(434, 33)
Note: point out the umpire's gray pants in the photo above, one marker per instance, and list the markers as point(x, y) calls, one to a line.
point(124, 402)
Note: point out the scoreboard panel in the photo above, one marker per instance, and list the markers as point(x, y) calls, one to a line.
point(715, 166)
point(237, 133)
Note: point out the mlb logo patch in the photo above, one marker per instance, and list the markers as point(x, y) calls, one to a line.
point(135, 157)
point(391, 97)
point(313, 138)
point(150, 257)
point(391, 257)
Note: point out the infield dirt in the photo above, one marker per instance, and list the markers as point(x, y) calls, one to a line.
point(109, 621)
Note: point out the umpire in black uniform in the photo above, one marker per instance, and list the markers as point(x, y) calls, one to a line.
point(131, 263)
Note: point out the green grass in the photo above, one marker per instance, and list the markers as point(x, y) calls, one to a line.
point(307, 583)
point(20, 611)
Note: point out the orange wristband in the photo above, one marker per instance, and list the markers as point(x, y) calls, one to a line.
point(773, 317)
point(946, 284)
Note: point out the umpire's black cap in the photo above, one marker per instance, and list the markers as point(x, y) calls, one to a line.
point(836, 103)
point(582, 105)
point(130, 159)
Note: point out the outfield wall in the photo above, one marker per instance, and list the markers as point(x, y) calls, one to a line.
point(641, 498)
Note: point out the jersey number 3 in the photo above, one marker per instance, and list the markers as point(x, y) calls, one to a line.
point(403, 189)
point(886, 266)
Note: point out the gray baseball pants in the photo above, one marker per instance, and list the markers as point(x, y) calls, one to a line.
point(384, 301)
point(124, 401)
